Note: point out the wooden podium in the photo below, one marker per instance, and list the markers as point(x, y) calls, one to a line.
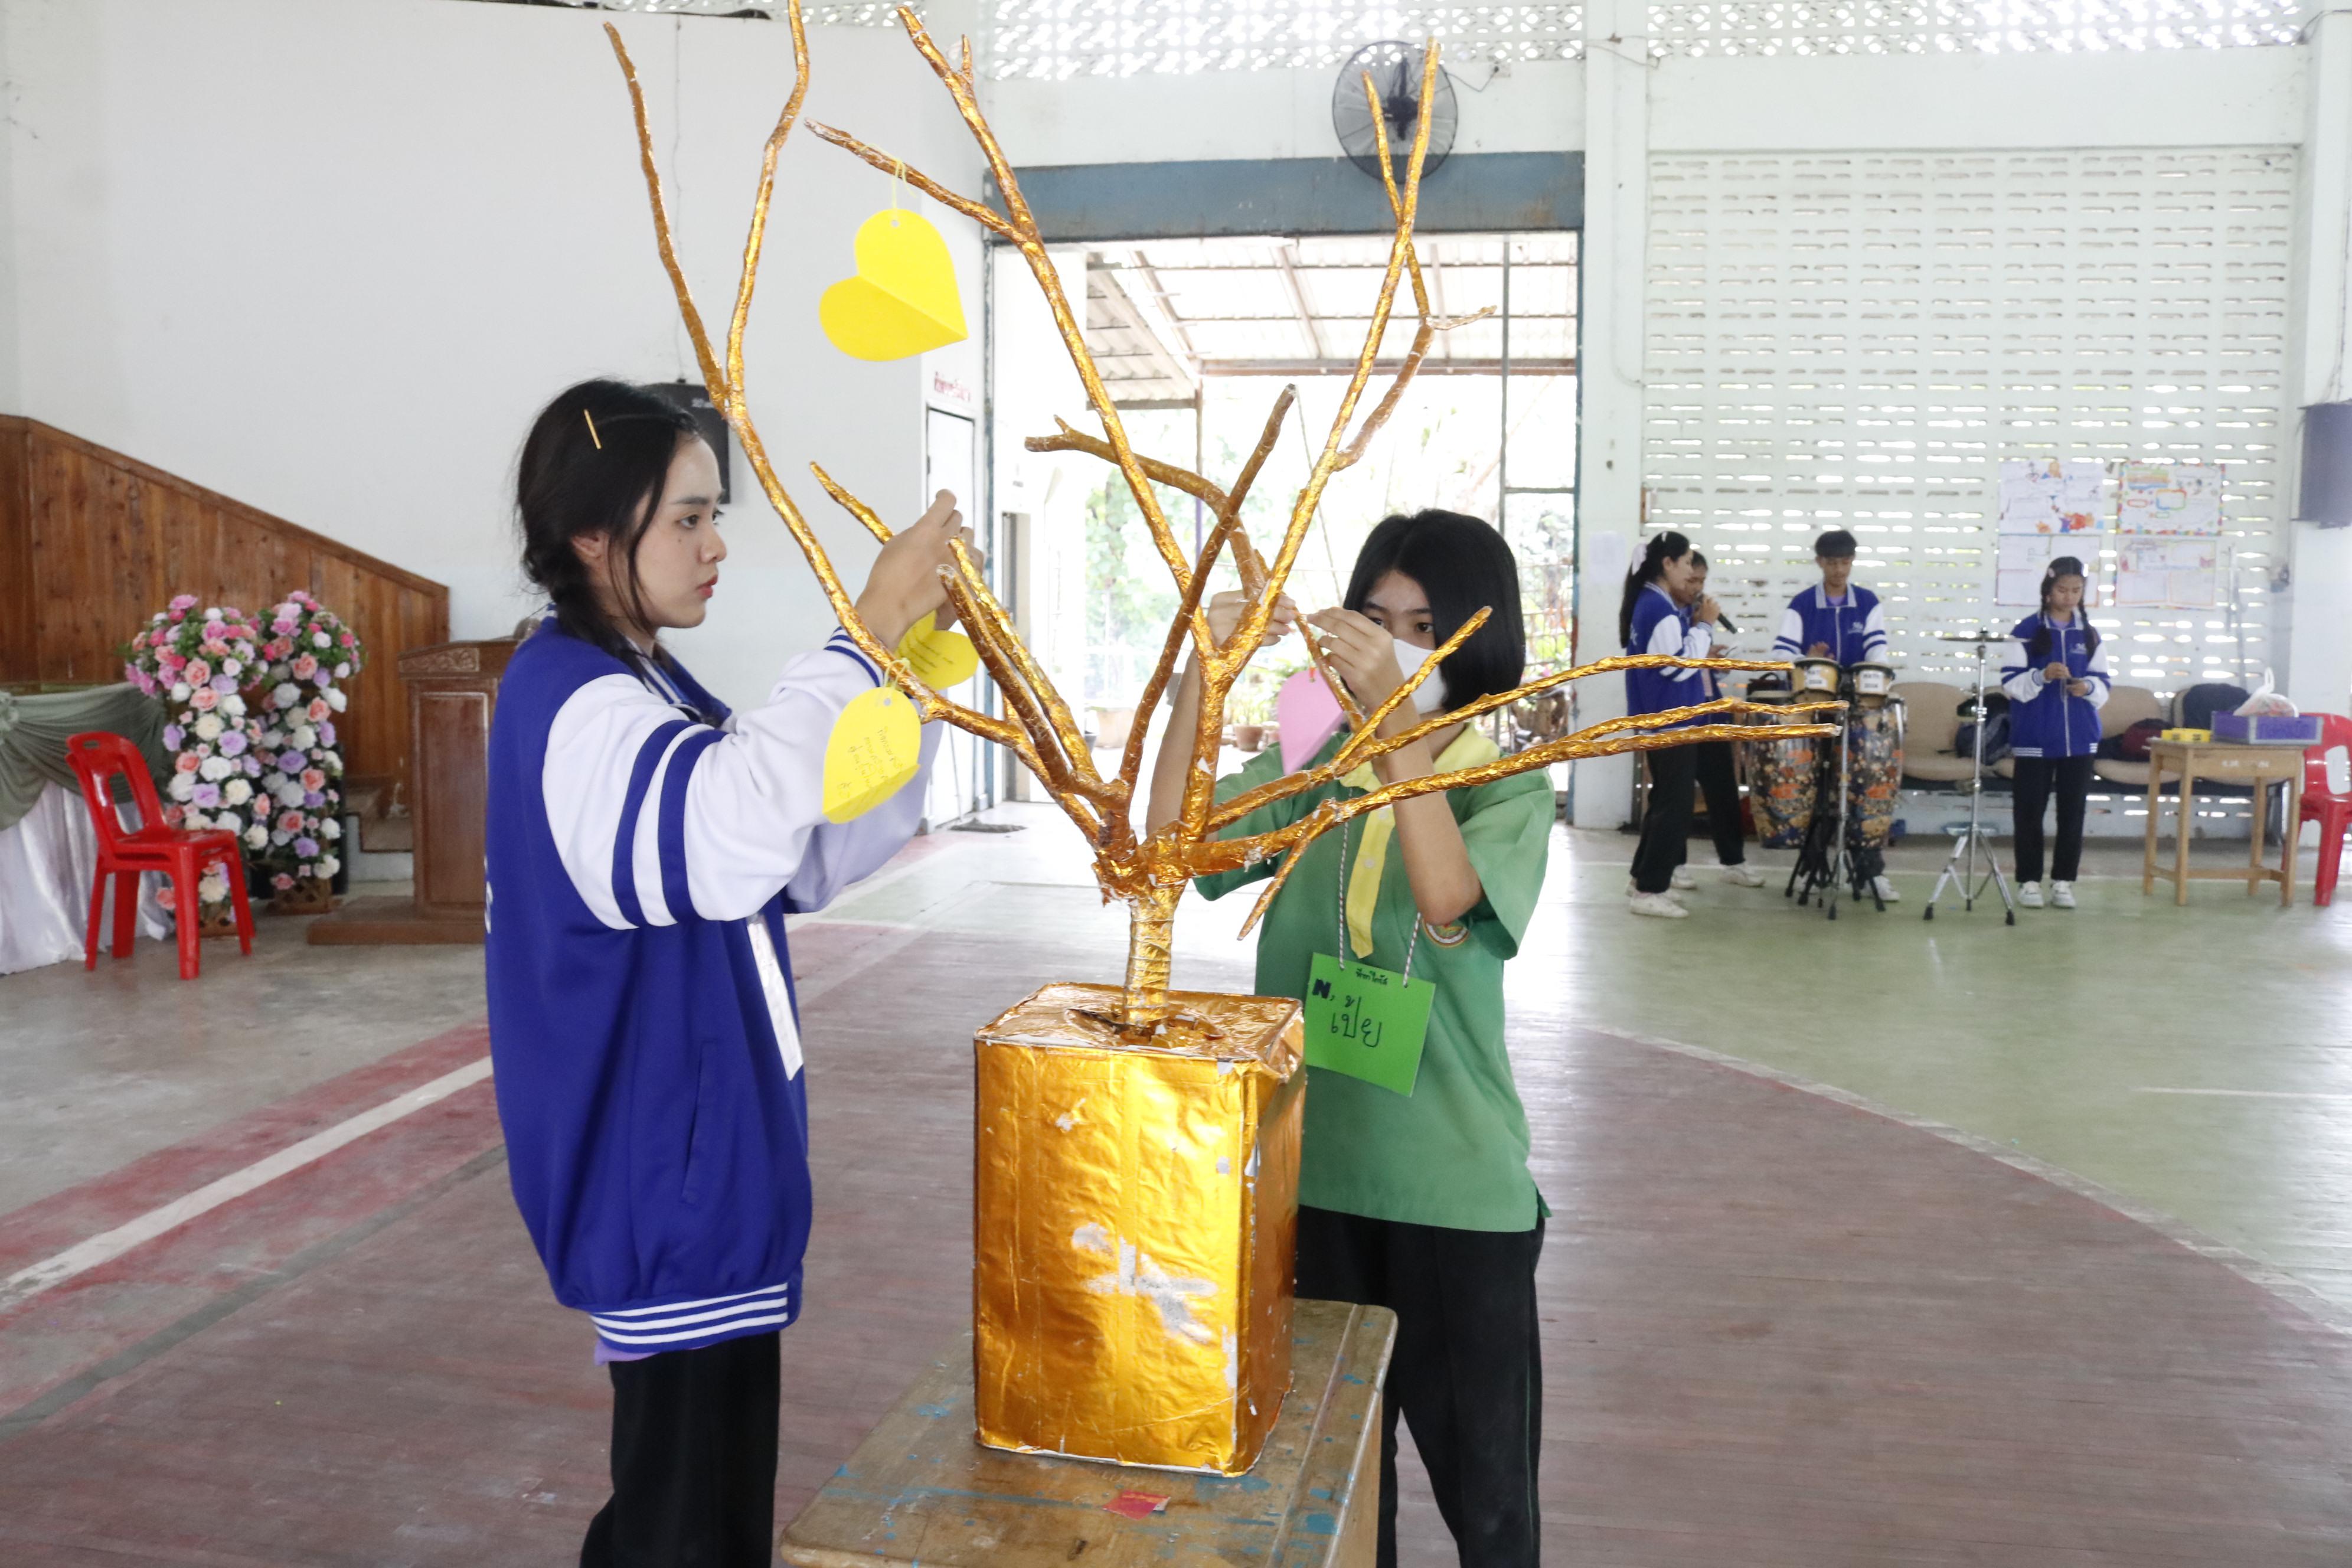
point(453, 689)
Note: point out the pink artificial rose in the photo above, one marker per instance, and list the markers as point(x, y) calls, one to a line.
point(203, 699)
point(158, 637)
point(186, 762)
point(318, 711)
point(183, 602)
point(312, 779)
point(348, 640)
point(289, 822)
point(172, 660)
point(281, 881)
point(305, 668)
point(198, 672)
point(214, 631)
point(171, 816)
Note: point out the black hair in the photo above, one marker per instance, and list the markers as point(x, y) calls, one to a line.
point(2037, 648)
point(1464, 566)
point(1699, 560)
point(1662, 548)
point(1837, 544)
point(594, 463)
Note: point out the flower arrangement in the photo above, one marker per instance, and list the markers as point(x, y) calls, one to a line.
point(310, 652)
point(198, 663)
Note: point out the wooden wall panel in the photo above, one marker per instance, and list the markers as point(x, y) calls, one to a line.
point(105, 541)
point(19, 639)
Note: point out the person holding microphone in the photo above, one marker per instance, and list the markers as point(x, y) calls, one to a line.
point(2056, 677)
point(1651, 619)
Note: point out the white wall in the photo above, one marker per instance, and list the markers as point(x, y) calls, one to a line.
point(1536, 107)
point(330, 259)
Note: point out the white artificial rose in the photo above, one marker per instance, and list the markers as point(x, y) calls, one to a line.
point(195, 822)
point(320, 639)
point(305, 737)
point(343, 670)
point(254, 837)
point(213, 887)
point(232, 667)
point(336, 699)
point(179, 692)
point(330, 830)
point(329, 865)
point(281, 836)
point(215, 769)
point(208, 727)
point(290, 793)
point(236, 792)
point(286, 695)
point(181, 787)
point(233, 705)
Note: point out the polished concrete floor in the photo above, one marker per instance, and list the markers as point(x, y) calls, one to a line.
point(1876, 1241)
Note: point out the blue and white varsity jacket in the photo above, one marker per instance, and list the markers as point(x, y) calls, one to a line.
point(1660, 626)
point(2045, 718)
point(1854, 630)
point(643, 1029)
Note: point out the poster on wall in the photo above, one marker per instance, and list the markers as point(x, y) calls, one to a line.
point(2168, 573)
point(2020, 560)
point(2049, 495)
point(2169, 497)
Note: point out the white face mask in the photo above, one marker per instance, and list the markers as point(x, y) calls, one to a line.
point(1429, 697)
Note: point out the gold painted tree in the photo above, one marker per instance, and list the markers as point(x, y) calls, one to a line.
point(1148, 871)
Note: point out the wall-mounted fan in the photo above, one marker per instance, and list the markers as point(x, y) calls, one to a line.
point(1395, 68)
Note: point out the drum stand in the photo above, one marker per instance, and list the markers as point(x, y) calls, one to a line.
point(1823, 861)
point(1969, 844)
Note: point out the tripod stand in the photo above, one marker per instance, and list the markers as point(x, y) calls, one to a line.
point(1968, 845)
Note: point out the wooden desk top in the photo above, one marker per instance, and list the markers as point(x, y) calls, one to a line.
point(921, 1487)
point(2210, 757)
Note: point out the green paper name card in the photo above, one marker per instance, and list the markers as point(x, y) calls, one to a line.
point(1367, 1022)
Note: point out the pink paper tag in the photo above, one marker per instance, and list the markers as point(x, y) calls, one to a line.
point(1308, 715)
point(1136, 1505)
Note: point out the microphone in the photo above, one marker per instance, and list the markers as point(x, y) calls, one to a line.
point(1725, 622)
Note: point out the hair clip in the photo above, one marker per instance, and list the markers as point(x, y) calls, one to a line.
point(591, 429)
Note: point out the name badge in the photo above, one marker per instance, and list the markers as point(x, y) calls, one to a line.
point(1367, 1022)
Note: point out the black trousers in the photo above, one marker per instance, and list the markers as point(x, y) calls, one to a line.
point(1719, 780)
point(1666, 821)
point(1467, 1373)
point(2038, 778)
point(694, 1460)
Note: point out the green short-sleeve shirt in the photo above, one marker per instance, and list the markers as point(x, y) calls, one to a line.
point(1455, 1152)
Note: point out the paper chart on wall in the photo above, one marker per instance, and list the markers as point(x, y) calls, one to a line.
point(2169, 573)
point(2169, 497)
point(2020, 560)
point(2048, 494)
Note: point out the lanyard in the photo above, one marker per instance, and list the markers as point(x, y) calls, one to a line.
point(1344, 954)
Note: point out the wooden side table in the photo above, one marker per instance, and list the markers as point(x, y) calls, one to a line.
point(921, 1488)
point(2260, 767)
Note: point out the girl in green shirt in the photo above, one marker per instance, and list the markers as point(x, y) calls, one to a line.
point(1419, 1202)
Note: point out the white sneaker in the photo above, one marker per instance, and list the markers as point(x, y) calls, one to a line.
point(2062, 895)
point(1683, 879)
point(1743, 876)
point(1885, 888)
point(2028, 895)
point(1660, 905)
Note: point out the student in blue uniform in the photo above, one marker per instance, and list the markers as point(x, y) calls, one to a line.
point(643, 847)
point(2056, 677)
point(1840, 619)
point(1650, 619)
point(1715, 763)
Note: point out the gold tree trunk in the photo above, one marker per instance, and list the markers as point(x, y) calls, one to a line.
point(1150, 922)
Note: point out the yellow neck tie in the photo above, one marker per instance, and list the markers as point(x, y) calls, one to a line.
point(1468, 749)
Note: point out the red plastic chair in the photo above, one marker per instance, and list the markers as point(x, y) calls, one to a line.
point(2331, 810)
point(180, 854)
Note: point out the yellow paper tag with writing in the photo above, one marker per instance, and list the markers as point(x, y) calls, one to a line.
point(939, 659)
point(875, 748)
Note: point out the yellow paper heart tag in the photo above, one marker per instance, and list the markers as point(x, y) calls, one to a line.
point(903, 299)
point(939, 659)
point(875, 748)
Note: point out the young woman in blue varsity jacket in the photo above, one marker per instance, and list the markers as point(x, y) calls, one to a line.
point(645, 846)
point(1651, 619)
point(2056, 677)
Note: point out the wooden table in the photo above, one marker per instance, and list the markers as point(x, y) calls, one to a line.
point(921, 1488)
point(2259, 766)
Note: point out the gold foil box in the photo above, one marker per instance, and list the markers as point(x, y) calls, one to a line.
point(1136, 1211)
